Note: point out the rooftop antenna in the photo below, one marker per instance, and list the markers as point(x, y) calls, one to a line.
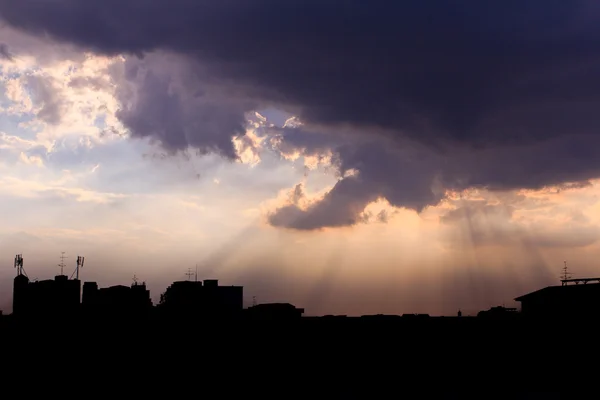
point(196, 276)
point(19, 265)
point(80, 261)
point(565, 274)
point(62, 262)
point(135, 280)
point(189, 273)
point(253, 301)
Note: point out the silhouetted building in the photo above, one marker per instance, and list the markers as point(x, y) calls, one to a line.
point(116, 300)
point(415, 315)
point(90, 292)
point(20, 285)
point(582, 299)
point(203, 299)
point(47, 297)
point(498, 312)
point(68, 294)
point(274, 311)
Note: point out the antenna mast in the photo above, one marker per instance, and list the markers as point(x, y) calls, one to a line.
point(80, 261)
point(189, 273)
point(196, 277)
point(19, 265)
point(135, 280)
point(565, 274)
point(62, 262)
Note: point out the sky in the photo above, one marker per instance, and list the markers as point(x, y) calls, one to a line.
point(346, 157)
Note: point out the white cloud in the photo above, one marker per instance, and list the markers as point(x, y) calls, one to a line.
point(36, 189)
point(12, 142)
point(15, 92)
point(31, 160)
point(63, 98)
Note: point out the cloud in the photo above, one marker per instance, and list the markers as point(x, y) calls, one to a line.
point(31, 188)
point(417, 101)
point(512, 219)
point(173, 103)
point(52, 105)
point(14, 149)
point(49, 103)
point(342, 206)
point(31, 160)
point(11, 142)
point(4, 53)
point(349, 64)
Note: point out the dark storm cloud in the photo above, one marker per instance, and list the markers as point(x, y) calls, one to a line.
point(471, 72)
point(406, 177)
point(447, 95)
point(414, 176)
point(173, 102)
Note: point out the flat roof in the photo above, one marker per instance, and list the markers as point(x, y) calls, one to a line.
point(551, 290)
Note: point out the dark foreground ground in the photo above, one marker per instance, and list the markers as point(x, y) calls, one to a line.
point(446, 358)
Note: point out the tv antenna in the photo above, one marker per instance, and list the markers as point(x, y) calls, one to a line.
point(62, 262)
point(196, 276)
point(253, 301)
point(135, 280)
point(19, 265)
point(189, 273)
point(80, 261)
point(565, 274)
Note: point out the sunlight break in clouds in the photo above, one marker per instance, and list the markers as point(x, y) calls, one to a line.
point(63, 99)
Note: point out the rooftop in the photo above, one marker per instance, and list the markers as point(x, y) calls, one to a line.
point(563, 289)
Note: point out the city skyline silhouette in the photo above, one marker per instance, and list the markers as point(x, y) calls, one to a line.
point(316, 302)
point(195, 298)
